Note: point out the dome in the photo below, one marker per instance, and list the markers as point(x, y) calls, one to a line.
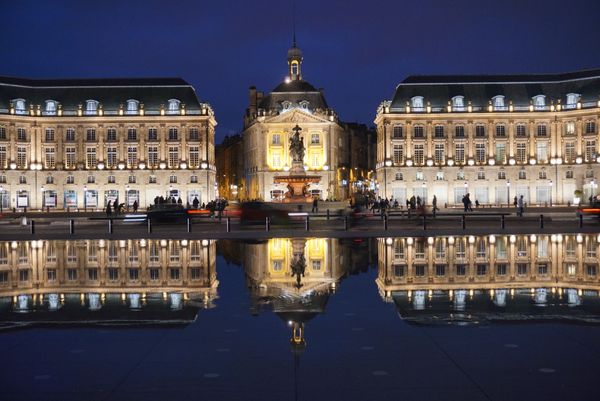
point(294, 53)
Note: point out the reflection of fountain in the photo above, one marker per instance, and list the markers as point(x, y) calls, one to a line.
point(297, 181)
point(298, 264)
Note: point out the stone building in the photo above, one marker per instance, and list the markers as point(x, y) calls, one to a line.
point(268, 125)
point(79, 143)
point(495, 137)
point(230, 167)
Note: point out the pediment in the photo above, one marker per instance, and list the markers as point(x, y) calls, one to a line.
point(296, 116)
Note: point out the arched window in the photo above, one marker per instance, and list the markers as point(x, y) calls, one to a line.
point(50, 107)
point(539, 102)
point(286, 105)
point(399, 176)
point(132, 106)
point(91, 107)
point(458, 103)
point(417, 103)
point(498, 102)
point(572, 99)
point(173, 106)
point(19, 105)
point(304, 104)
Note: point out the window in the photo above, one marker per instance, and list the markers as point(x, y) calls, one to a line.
point(480, 152)
point(480, 131)
point(398, 154)
point(111, 134)
point(276, 139)
point(2, 179)
point(590, 150)
point(152, 134)
point(542, 130)
point(132, 157)
point(3, 158)
point(521, 130)
point(194, 156)
point(570, 152)
point(439, 131)
point(90, 158)
point(276, 160)
point(70, 179)
point(175, 273)
point(173, 106)
point(93, 274)
point(591, 270)
point(399, 176)
point(458, 103)
point(590, 127)
point(418, 131)
point(399, 270)
point(419, 176)
point(71, 274)
point(501, 175)
point(461, 270)
point(481, 269)
point(91, 179)
point(173, 156)
point(398, 132)
point(542, 175)
point(539, 102)
point(459, 131)
point(498, 102)
point(440, 270)
point(21, 134)
point(193, 179)
point(417, 103)
point(90, 134)
point(49, 157)
point(439, 153)
point(572, 99)
point(315, 139)
point(111, 179)
point(132, 107)
point(542, 152)
point(50, 107)
point(91, 107)
point(2, 133)
point(132, 179)
point(569, 174)
point(111, 157)
point(152, 179)
point(70, 135)
point(500, 155)
point(418, 154)
point(21, 157)
point(522, 175)
point(134, 274)
point(521, 155)
point(49, 135)
point(521, 269)
point(19, 105)
point(51, 274)
point(570, 128)
point(131, 134)
point(500, 130)
point(152, 156)
point(439, 176)
point(459, 153)
point(419, 270)
point(173, 134)
point(194, 134)
point(173, 179)
point(22, 179)
point(23, 275)
point(481, 175)
point(154, 274)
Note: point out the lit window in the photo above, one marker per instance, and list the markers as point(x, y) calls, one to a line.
point(480, 153)
point(459, 153)
point(19, 106)
point(458, 103)
point(418, 154)
point(132, 157)
point(572, 99)
point(569, 152)
point(498, 102)
point(111, 157)
point(70, 157)
point(542, 152)
point(398, 155)
point(539, 102)
point(590, 150)
point(315, 139)
point(417, 103)
point(91, 107)
point(570, 128)
point(173, 156)
point(398, 132)
point(439, 176)
point(521, 155)
point(419, 176)
point(50, 158)
point(132, 106)
point(460, 175)
point(50, 107)
point(439, 153)
point(173, 106)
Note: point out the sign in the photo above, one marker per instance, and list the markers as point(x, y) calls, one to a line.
point(91, 198)
point(70, 198)
point(22, 200)
point(50, 198)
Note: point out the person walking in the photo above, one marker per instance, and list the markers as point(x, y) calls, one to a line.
point(108, 209)
point(521, 206)
point(195, 202)
point(434, 204)
point(315, 205)
point(135, 206)
point(515, 201)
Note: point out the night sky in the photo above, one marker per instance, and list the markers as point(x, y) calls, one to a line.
point(357, 50)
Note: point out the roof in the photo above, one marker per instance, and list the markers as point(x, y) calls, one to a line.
point(480, 89)
point(111, 92)
point(294, 91)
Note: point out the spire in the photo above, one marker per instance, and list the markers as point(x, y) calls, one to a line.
point(294, 23)
point(294, 55)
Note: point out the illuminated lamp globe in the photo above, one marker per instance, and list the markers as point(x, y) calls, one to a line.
point(142, 165)
point(326, 167)
point(162, 165)
point(121, 166)
point(491, 162)
point(13, 165)
point(204, 165)
point(512, 162)
point(100, 166)
point(183, 165)
point(579, 160)
point(532, 162)
point(471, 162)
point(409, 163)
point(429, 162)
point(450, 162)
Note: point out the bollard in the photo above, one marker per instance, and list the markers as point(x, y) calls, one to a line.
point(327, 214)
point(580, 220)
point(71, 226)
point(32, 227)
point(110, 226)
point(267, 224)
point(149, 223)
point(502, 221)
point(424, 222)
point(306, 224)
point(228, 224)
point(385, 222)
point(345, 223)
point(464, 221)
point(189, 225)
point(541, 221)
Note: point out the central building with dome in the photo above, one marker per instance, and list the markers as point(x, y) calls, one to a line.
point(269, 125)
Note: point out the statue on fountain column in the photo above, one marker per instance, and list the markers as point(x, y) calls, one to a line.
point(297, 145)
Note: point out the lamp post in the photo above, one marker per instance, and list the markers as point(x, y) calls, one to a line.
point(1, 199)
point(551, 184)
point(424, 186)
point(508, 193)
point(85, 198)
point(43, 197)
point(204, 166)
point(127, 197)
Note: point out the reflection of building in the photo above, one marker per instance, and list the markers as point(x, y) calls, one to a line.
point(89, 141)
point(268, 128)
point(167, 275)
point(294, 277)
point(459, 272)
point(495, 137)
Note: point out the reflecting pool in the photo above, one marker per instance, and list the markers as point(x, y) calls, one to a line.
point(455, 317)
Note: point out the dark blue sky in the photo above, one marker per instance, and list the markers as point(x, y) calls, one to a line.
point(357, 50)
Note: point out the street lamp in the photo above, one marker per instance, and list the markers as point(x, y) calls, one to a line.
point(127, 197)
point(551, 184)
point(85, 198)
point(508, 193)
point(43, 197)
point(1, 198)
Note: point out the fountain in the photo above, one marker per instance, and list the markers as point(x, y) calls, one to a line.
point(297, 180)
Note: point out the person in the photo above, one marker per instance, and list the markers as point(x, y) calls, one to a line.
point(521, 205)
point(418, 202)
point(434, 204)
point(465, 202)
point(195, 202)
point(108, 209)
point(515, 201)
point(477, 203)
point(315, 205)
point(135, 206)
point(180, 201)
point(469, 203)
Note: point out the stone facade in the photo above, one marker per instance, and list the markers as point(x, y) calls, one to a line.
point(79, 143)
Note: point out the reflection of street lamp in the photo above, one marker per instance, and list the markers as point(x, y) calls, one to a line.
point(508, 193)
point(1, 198)
point(551, 192)
point(85, 198)
point(127, 196)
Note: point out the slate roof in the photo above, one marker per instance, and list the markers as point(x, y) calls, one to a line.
point(295, 92)
point(111, 92)
point(480, 89)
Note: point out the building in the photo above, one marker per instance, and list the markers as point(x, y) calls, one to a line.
point(495, 137)
point(230, 167)
point(268, 127)
point(78, 143)
point(360, 141)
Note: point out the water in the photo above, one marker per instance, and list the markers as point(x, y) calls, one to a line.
point(494, 317)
